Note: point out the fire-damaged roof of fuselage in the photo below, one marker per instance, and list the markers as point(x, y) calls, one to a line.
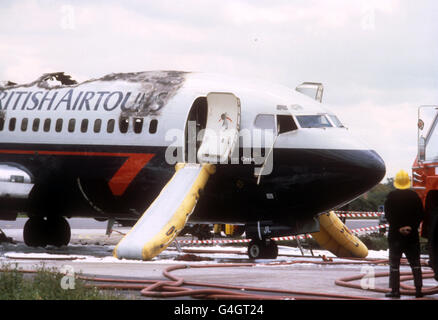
point(151, 90)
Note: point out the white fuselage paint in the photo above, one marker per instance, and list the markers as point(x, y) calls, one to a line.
point(110, 97)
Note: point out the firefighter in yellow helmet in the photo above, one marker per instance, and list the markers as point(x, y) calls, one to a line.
point(404, 212)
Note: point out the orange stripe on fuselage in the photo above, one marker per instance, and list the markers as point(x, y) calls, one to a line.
point(121, 179)
point(127, 172)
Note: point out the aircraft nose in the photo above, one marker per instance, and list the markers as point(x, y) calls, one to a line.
point(374, 167)
point(357, 172)
point(368, 170)
point(327, 179)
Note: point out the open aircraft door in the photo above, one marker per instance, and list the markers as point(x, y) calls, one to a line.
point(313, 90)
point(222, 128)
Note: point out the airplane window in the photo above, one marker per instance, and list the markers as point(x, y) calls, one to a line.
point(153, 126)
point(97, 125)
point(24, 124)
point(2, 123)
point(336, 121)
point(138, 125)
point(12, 123)
point(84, 125)
point(285, 123)
point(265, 121)
point(36, 124)
point(58, 125)
point(110, 126)
point(71, 125)
point(47, 125)
point(313, 121)
point(123, 125)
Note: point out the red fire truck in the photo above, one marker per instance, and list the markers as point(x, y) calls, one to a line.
point(425, 177)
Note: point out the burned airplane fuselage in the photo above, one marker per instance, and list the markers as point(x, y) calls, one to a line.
point(104, 148)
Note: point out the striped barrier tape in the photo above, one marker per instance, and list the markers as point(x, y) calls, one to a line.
point(346, 214)
point(300, 237)
point(359, 230)
point(214, 241)
point(354, 214)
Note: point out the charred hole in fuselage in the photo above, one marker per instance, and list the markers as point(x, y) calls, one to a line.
point(138, 124)
point(123, 124)
point(198, 115)
point(153, 125)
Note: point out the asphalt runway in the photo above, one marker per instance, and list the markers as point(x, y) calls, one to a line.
point(90, 253)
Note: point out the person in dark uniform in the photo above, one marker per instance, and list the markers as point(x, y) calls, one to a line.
point(404, 212)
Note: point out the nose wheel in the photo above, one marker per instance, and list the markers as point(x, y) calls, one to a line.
point(262, 249)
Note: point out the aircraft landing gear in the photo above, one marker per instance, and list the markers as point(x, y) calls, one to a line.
point(58, 231)
point(39, 232)
point(262, 249)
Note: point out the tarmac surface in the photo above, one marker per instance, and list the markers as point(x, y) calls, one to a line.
point(90, 253)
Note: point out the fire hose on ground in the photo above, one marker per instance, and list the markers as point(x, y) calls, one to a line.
point(175, 289)
point(178, 287)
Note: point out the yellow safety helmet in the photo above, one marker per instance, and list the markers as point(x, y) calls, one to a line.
point(402, 180)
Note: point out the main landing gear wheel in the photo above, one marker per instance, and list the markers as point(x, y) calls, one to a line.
point(39, 232)
point(34, 232)
point(58, 232)
point(262, 249)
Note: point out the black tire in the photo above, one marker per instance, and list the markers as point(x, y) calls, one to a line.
point(262, 249)
point(271, 250)
point(255, 249)
point(58, 231)
point(34, 232)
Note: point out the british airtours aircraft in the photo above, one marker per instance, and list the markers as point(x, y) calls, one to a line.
point(164, 148)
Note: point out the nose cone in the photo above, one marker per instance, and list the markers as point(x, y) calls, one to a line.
point(311, 181)
point(351, 174)
point(371, 168)
point(361, 171)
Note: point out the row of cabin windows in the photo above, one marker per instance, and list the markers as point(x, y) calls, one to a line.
point(97, 126)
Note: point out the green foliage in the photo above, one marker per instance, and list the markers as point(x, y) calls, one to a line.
point(45, 284)
point(375, 241)
point(371, 200)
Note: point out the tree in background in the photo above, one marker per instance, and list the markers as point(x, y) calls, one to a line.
point(371, 200)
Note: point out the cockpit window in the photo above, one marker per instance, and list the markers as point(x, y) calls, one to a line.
point(265, 121)
point(336, 121)
point(285, 123)
point(314, 121)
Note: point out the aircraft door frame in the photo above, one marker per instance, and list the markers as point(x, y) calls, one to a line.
point(219, 134)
